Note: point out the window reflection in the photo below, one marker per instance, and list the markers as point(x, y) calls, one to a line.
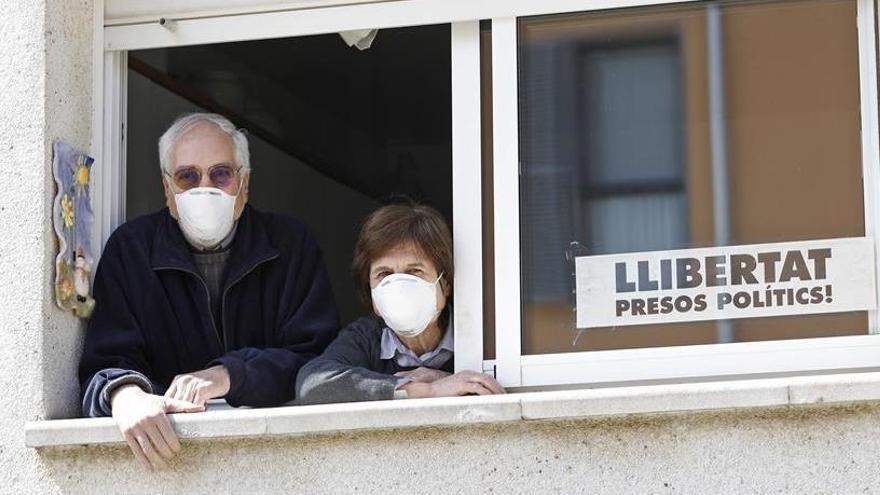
point(669, 128)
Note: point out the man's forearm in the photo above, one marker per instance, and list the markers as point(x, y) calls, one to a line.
point(96, 396)
point(260, 377)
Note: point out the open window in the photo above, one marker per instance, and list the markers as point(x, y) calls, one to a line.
point(601, 132)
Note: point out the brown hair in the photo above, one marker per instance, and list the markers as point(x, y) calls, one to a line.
point(396, 224)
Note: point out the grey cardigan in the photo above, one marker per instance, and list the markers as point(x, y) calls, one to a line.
point(351, 369)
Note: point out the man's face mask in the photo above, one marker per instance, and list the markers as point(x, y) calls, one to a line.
point(206, 215)
point(407, 303)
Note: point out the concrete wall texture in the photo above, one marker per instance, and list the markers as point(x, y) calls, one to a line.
point(45, 55)
point(827, 450)
point(46, 60)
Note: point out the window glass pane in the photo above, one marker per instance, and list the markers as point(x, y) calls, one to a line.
point(616, 123)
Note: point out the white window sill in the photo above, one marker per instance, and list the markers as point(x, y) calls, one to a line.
point(223, 421)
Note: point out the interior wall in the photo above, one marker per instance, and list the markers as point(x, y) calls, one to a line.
point(279, 183)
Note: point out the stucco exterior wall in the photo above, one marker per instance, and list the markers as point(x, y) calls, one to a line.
point(45, 62)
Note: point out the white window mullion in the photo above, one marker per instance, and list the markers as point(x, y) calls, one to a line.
point(869, 137)
point(467, 196)
point(505, 129)
point(823, 354)
point(110, 211)
point(97, 144)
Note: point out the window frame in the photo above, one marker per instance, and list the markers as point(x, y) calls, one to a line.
point(680, 362)
point(114, 39)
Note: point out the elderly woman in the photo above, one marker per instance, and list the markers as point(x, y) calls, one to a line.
point(403, 269)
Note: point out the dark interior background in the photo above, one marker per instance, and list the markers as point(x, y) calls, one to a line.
point(333, 131)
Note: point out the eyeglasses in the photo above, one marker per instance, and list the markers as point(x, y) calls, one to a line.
point(220, 176)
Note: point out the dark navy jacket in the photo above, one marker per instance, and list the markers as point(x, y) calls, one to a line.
point(153, 319)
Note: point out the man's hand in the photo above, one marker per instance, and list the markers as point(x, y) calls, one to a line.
point(461, 383)
point(423, 375)
point(201, 386)
point(142, 419)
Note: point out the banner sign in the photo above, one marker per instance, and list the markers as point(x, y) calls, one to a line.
point(786, 278)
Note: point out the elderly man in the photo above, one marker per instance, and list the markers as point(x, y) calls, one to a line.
point(207, 298)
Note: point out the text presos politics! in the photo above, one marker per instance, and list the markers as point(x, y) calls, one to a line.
point(726, 282)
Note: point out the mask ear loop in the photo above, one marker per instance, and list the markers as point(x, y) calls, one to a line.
point(240, 182)
point(436, 282)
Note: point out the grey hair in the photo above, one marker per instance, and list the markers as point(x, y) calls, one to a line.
point(186, 122)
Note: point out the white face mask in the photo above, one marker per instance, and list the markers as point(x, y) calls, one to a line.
point(407, 303)
point(206, 215)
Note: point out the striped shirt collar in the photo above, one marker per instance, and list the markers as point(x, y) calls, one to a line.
point(393, 348)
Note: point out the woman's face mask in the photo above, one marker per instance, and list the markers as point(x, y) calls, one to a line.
point(407, 303)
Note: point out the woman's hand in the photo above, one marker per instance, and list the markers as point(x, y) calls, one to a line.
point(423, 375)
point(461, 383)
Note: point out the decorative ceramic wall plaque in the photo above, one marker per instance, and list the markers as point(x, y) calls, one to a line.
point(73, 219)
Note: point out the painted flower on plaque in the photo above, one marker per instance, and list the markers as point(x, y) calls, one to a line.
point(82, 172)
point(73, 219)
point(67, 214)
